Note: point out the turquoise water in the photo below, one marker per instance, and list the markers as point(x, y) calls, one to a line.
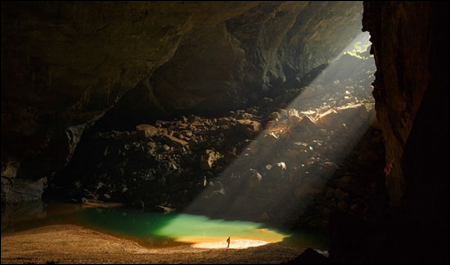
point(159, 230)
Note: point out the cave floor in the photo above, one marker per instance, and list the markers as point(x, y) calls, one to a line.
point(74, 244)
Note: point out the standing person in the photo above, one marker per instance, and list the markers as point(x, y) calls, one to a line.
point(228, 241)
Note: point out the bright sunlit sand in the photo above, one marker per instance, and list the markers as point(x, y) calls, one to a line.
point(235, 244)
point(209, 233)
point(71, 244)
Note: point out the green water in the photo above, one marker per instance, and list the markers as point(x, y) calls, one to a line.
point(159, 230)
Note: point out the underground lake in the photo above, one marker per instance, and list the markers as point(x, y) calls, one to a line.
point(159, 230)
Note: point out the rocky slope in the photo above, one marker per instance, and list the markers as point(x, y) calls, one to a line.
point(65, 64)
point(300, 152)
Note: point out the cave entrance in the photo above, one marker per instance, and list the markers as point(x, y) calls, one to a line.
point(318, 154)
point(294, 158)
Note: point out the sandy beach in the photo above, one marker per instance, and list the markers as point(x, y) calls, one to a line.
point(75, 244)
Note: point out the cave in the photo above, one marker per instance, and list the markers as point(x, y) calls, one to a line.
point(305, 132)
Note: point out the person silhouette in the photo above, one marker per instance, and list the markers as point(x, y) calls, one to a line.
point(228, 241)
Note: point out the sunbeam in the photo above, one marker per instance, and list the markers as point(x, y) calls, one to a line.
point(289, 163)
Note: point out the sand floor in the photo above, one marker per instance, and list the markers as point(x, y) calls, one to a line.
point(75, 244)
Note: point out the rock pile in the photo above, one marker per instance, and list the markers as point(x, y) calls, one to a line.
point(274, 162)
point(310, 161)
point(161, 164)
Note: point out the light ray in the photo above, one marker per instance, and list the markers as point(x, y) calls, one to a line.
point(256, 185)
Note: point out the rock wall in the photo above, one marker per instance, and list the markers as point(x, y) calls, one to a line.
point(255, 52)
point(64, 64)
point(410, 44)
point(240, 59)
point(404, 47)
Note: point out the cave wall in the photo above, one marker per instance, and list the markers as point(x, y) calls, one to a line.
point(410, 45)
point(64, 64)
point(239, 59)
point(406, 43)
point(231, 65)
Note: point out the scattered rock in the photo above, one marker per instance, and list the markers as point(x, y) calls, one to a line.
point(352, 112)
point(293, 116)
point(330, 119)
point(308, 124)
point(208, 161)
point(183, 157)
point(175, 142)
point(248, 127)
point(277, 171)
point(275, 115)
point(146, 130)
point(269, 139)
point(254, 179)
point(165, 209)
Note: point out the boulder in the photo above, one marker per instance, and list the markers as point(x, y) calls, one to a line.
point(276, 171)
point(9, 172)
point(330, 119)
point(254, 179)
point(270, 124)
point(293, 116)
point(248, 127)
point(186, 133)
point(208, 161)
point(269, 139)
point(308, 124)
point(175, 142)
point(352, 112)
point(146, 130)
point(275, 115)
point(311, 256)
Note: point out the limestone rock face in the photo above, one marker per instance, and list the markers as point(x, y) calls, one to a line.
point(233, 62)
point(403, 52)
point(410, 44)
point(64, 64)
